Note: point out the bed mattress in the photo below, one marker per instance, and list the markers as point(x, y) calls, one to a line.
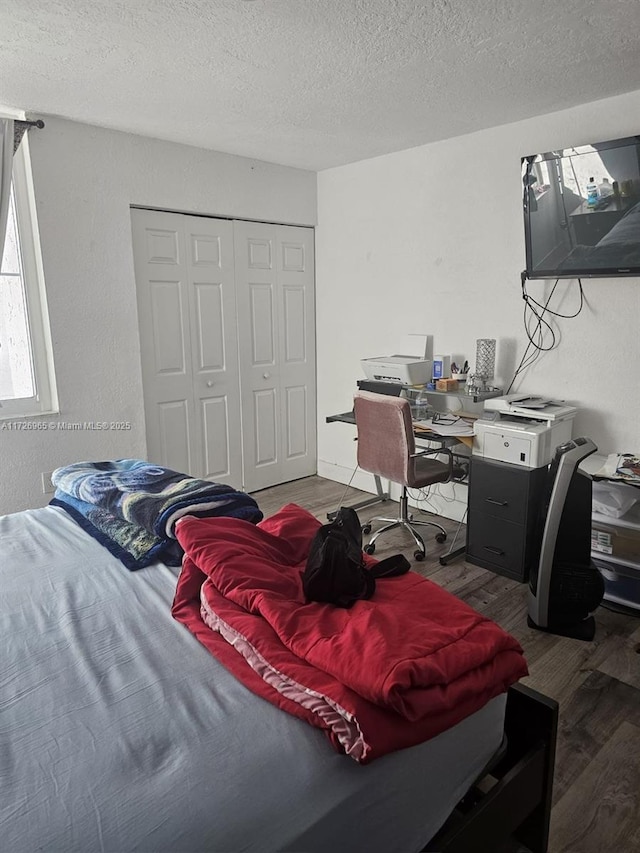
point(120, 732)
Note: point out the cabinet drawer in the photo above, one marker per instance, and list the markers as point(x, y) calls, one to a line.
point(499, 490)
point(497, 545)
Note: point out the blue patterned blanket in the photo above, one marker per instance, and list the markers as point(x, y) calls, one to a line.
point(131, 506)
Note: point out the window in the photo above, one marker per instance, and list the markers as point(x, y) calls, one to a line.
point(541, 171)
point(585, 165)
point(26, 370)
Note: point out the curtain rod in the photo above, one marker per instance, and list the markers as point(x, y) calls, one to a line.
point(20, 127)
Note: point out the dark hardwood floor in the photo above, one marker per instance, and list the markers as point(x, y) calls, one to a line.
point(597, 776)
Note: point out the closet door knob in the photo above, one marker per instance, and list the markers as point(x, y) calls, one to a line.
point(265, 375)
point(210, 384)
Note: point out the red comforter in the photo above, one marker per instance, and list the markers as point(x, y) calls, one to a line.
point(388, 673)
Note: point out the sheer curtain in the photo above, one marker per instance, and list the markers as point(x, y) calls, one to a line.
point(11, 133)
point(6, 165)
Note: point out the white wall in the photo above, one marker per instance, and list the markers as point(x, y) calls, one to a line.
point(85, 180)
point(431, 240)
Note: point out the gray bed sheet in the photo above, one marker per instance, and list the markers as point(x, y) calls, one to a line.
point(120, 732)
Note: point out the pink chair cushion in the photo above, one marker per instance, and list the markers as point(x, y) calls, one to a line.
point(386, 442)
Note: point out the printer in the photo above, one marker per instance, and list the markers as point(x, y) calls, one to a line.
point(522, 429)
point(410, 367)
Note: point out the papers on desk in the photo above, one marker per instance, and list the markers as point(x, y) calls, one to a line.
point(458, 429)
point(621, 466)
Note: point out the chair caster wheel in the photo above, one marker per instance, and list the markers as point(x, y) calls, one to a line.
point(441, 537)
point(366, 529)
point(418, 555)
point(369, 549)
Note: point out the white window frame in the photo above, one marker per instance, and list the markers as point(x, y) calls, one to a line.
point(45, 399)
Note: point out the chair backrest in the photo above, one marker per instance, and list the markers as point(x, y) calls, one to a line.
point(385, 436)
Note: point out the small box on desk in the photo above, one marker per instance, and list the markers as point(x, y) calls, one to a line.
point(446, 385)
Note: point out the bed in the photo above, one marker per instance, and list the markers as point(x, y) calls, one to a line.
point(119, 731)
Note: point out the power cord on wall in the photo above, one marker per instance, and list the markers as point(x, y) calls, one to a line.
point(536, 336)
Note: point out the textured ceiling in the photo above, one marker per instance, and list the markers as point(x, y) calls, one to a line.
point(313, 83)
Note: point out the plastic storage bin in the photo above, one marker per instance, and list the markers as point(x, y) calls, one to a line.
point(617, 537)
point(621, 581)
point(615, 549)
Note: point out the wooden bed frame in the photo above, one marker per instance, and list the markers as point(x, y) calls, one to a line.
point(510, 805)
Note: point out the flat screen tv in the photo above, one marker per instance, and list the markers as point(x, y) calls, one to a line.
point(582, 210)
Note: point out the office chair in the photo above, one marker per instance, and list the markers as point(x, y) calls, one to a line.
point(386, 447)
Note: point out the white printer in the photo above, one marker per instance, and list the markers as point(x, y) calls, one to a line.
point(410, 367)
point(522, 430)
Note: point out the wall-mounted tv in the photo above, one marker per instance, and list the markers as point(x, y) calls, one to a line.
point(582, 210)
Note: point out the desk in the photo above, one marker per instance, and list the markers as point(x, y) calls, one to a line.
point(381, 495)
point(380, 387)
point(419, 432)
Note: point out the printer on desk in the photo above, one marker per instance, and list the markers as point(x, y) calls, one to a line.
point(410, 367)
point(522, 430)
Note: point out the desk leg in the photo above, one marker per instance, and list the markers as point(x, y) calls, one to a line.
point(453, 553)
point(381, 496)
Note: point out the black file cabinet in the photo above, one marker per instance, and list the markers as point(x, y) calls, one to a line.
point(502, 532)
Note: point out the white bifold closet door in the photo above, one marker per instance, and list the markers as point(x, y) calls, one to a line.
point(227, 332)
point(276, 330)
point(185, 287)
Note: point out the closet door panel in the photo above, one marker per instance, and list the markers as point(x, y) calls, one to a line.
point(295, 270)
point(297, 428)
point(176, 451)
point(210, 264)
point(265, 452)
point(167, 318)
point(261, 326)
point(256, 299)
point(209, 327)
point(187, 318)
point(262, 364)
point(214, 417)
point(162, 290)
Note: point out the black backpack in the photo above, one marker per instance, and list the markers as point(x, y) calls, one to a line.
point(335, 572)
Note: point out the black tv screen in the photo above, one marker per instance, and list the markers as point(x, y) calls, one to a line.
point(582, 210)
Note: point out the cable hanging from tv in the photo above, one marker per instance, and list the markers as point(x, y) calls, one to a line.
point(534, 312)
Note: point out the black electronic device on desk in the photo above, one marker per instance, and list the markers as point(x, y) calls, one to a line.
point(566, 587)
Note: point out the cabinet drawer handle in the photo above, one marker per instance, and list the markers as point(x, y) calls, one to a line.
point(497, 503)
point(494, 550)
